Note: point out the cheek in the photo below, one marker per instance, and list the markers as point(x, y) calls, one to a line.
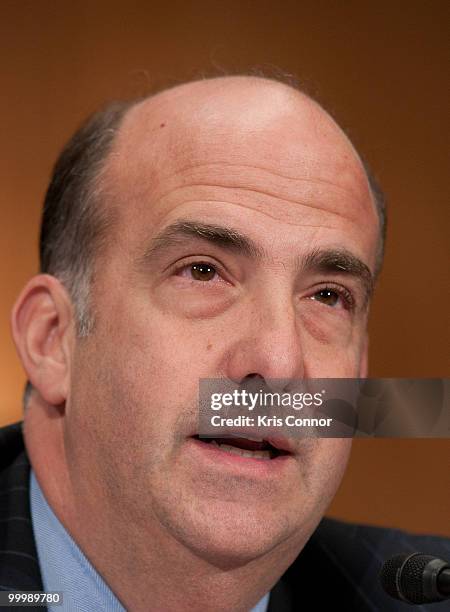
point(326, 327)
point(331, 355)
point(330, 461)
point(165, 349)
point(136, 378)
point(121, 427)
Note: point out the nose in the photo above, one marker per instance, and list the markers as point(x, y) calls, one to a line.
point(266, 343)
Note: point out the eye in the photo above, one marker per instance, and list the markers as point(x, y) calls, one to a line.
point(202, 271)
point(327, 296)
point(334, 297)
point(199, 271)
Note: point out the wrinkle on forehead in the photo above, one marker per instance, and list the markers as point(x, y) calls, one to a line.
point(237, 132)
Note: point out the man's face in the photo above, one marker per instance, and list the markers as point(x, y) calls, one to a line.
point(172, 308)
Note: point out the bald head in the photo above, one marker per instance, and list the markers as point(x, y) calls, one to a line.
point(141, 145)
point(229, 119)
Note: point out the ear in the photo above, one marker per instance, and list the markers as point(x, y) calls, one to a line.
point(42, 328)
point(364, 360)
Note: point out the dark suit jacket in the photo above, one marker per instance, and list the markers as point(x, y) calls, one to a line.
point(336, 571)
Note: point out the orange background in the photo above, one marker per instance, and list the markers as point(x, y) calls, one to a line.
point(379, 67)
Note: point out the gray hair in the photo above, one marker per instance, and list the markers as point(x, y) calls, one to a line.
point(74, 225)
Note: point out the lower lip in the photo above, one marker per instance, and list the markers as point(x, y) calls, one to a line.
point(231, 461)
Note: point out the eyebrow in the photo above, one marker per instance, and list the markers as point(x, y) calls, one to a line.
point(225, 237)
point(327, 261)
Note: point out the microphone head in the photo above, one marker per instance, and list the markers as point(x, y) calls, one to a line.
point(409, 577)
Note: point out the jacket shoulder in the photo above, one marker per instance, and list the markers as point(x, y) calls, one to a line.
point(11, 444)
point(341, 563)
point(19, 566)
point(378, 540)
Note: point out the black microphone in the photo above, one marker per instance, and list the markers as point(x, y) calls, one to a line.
point(416, 578)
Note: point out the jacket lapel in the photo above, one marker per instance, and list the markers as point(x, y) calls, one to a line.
point(19, 567)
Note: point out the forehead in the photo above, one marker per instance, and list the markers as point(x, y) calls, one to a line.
point(259, 145)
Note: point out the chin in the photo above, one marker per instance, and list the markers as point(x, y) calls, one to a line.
point(229, 538)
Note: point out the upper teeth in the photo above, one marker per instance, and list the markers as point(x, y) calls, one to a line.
point(256, 454)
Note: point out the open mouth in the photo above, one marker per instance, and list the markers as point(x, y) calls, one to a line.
point(244, 447)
